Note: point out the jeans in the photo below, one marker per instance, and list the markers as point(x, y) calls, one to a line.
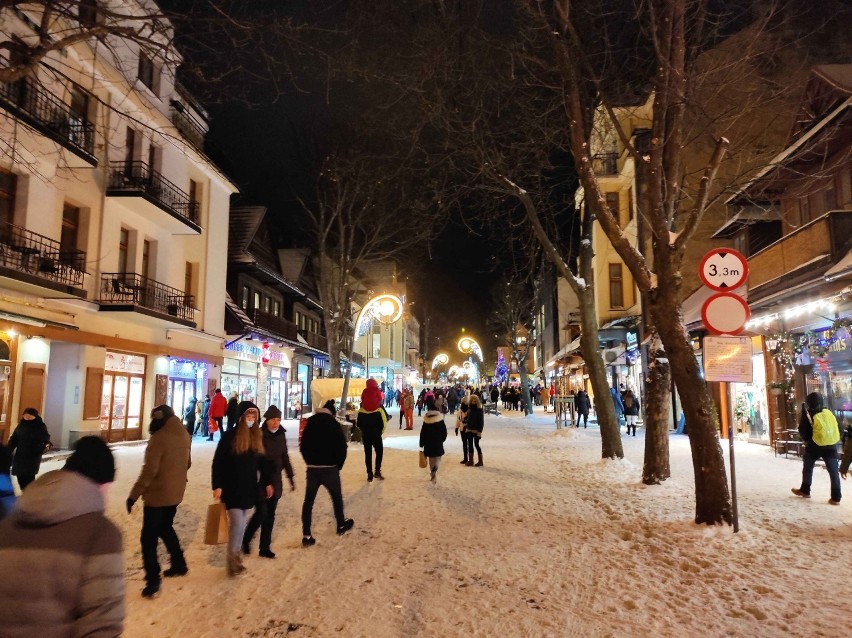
point(330, 478)
point(827, 453)
point(157, 523)
point(585, 417)
point(469, 439)
point(369, 444)
point(264, 518)
point(237, 520)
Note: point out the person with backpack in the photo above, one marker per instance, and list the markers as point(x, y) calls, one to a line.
point(631, 410)
point(821, 434)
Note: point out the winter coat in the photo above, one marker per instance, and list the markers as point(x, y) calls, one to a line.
point(616, 401)
point(28, 442)
point(441, 403)
point(433, 434)
point(846, 461)
point(452, 396)
point(407, 401)
point(323, 443)
point(372, 424)
point(630, 410)
point(205, 410)
point(61, 565)
point(162, 481)
point(218, 405)
point(276, 455)
point(474, 420)
point(189, 413)
point(582, 402)
point(233, 413)
point(239, 476)
point(827, 432)
point(495, 395)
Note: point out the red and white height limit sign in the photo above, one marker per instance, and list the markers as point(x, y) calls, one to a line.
point(723, 270)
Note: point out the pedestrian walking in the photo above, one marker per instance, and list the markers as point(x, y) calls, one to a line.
point(61, 564)
point(452, 400)
point(846, 461)
point(278, 460)
point(189, 416)
point(323, 448)
point(205, 419)
point(618, 404)
point(631, 410)
point(27, 443)
point(474, 424)
point(7, 490)
point(232, 412)
point(237, 474)
point(461, 426)
point(161, 484)
point(408, 409)
point(818, 428)
point(583, 405)
point(372, 421)
point(218, 409)
point(433, 433)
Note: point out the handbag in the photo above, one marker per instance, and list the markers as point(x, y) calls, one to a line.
point(422, 458)
point(216, 528)
point(212, 426)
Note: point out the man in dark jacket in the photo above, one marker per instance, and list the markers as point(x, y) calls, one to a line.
point(161, 484)
point(205, 418)
point(189, 416)
point(28, 443)
point(323, 448)
point(277, 460)
point(233, 411)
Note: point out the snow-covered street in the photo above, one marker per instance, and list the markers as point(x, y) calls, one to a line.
point(544, 540)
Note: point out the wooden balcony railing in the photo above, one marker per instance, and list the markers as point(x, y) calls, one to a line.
point(287, 329)
point(131, 289)
point(27, 252)
point(826, 235)
point(32, 102)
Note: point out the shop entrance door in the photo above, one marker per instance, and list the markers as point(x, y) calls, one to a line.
point(121, 407)
point(180, 392)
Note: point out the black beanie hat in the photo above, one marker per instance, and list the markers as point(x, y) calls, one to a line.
point(31, 412)
point(331, 406)
point(93, 459)
point(162, 412)
point(272, 412)
point(244, 406)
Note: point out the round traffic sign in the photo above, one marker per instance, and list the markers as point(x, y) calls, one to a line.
point(723, 269)
point(725, 313)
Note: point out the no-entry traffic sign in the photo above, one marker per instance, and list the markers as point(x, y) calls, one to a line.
point(723, 269)
point(725, 313)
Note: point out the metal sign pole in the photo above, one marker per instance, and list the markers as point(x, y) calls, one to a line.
point(733, 479)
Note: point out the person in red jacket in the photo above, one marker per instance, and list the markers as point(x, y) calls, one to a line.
point(218, 409)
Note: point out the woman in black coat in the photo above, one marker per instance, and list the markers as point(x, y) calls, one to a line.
point(432, 437)
point(473, 424)
point(232, 413)
point(28, 442)
point(238, 472)
point(583, 405)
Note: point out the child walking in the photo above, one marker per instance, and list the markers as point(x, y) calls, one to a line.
point(432, 437)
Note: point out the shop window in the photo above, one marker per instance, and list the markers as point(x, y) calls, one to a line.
point(121, 397)
point(244, 298)
point(616, 286)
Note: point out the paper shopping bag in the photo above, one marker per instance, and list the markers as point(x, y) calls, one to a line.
point(422, 459)
point(216, 530)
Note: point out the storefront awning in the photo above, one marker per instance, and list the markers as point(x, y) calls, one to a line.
point(566, 350)
point(842, 268)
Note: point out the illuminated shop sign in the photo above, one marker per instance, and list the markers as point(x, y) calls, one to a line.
point(631, 340)
point(265, 353)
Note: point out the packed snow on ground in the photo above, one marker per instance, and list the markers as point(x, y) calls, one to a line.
point(545, 540)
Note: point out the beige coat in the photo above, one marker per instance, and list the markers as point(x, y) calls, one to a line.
point(162, 481)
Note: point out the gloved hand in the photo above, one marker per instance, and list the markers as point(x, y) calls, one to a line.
point(130, 502)
point(457, 431)
point(292, 484)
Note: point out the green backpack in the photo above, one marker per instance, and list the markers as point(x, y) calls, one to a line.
point(826, 431)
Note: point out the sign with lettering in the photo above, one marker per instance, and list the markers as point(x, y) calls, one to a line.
point(728, 359)
point(723, 269)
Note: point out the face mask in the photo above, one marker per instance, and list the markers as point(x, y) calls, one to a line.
point(250, 423)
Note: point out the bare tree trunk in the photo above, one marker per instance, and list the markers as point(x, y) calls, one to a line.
point(604, 409)
point(712, 498)
point(655, 468)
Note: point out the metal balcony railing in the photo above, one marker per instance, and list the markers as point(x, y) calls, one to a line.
point(605, 164)
point(187, 126)
point(131, 289)
point(30, 101)
point(130, 178)
point(27, 252)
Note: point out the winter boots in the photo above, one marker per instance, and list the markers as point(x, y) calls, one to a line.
point(479, 459)
point(464, 460)
point(234, 564)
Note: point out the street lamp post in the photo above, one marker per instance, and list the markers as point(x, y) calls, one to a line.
point(386, 309)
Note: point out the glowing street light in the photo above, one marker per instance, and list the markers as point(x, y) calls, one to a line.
point(468, 345)
point(440, 360)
